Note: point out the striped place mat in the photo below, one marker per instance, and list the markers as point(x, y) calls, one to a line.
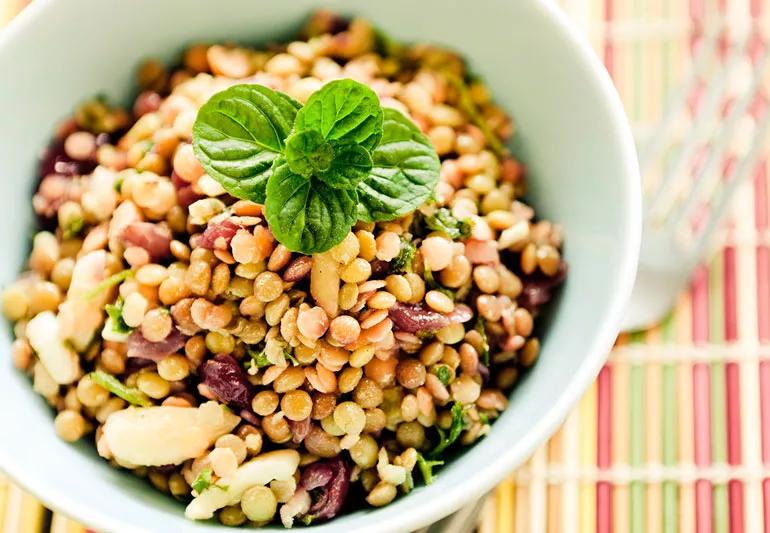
point(674, 435)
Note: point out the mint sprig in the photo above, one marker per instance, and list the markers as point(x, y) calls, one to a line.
point(238, 134)
point(319, 168)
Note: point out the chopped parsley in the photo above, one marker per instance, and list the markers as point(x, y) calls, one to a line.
point(455, 429)
point(115, 279)
point(115, 312)
point(112, 384)
point(482, 329)
point(432, 285)
point(426, 467)
point(444, 221)
point(405, 258)
point(288, 355)
point(443, 374)
point(203, 481)
point(258, 359)
point(73, 228)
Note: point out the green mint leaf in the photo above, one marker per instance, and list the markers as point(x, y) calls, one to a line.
point(115, 312)
point(115, 279)
point(351, 164)
point(426, 467)
point(405, 258)
point(307, 216)
point(238, 134)
point(112, 384)
point(458, 424)
point(203, 481)
point(482, 329)
point(343, 110)
point(308, 153)
point(405, 172)
point(444, 221)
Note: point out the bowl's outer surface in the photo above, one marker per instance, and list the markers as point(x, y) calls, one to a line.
point(571, 132)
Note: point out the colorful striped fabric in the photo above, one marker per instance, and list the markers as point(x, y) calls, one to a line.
point(674, 435)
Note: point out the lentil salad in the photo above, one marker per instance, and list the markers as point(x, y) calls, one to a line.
point(161, 317)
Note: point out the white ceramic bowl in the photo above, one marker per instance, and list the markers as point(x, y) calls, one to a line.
point(572, 133)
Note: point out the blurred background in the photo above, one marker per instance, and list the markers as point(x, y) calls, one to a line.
point(674, 435)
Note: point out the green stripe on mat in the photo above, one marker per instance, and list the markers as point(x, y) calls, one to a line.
point(721, 511)
point(637, 511)
point(669, 406)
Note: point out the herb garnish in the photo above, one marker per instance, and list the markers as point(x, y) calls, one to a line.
point(444, 221)
point(465, 102)
point(443, 374)
point(115, 312)
point(457, 426)
point(112, 384)
point(405, 258)
point(426, 467)
point(432, 284)
point(319, 168)
point(203, 480)
point(482, 329)
point(258, 359)
point(115, 279)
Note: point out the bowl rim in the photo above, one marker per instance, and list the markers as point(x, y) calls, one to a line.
point(482, 481)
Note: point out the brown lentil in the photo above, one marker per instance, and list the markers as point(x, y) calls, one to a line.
point(291, 378)
point(529, 258)
point(296, 405)
point(456, 273)
point(529, 352)
point(323, 405)
point(90, 394)
point(382, 494)
point(381, 300)
point(367, 393)
point(439, 301)
point(357, 271)
point(417, 285)
point(21, 352)
point(548, 259)
point(349, 379)
point(344, 329)
point(156, 325)
point(348, 296)
point(153, 385)
point(268, 286)
point(364, 452)
point(258, 503)
point(276, 428)
point(232, 516)
point(410, 435)
point(320, 443)
point(367, 246)
point(70, 425)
